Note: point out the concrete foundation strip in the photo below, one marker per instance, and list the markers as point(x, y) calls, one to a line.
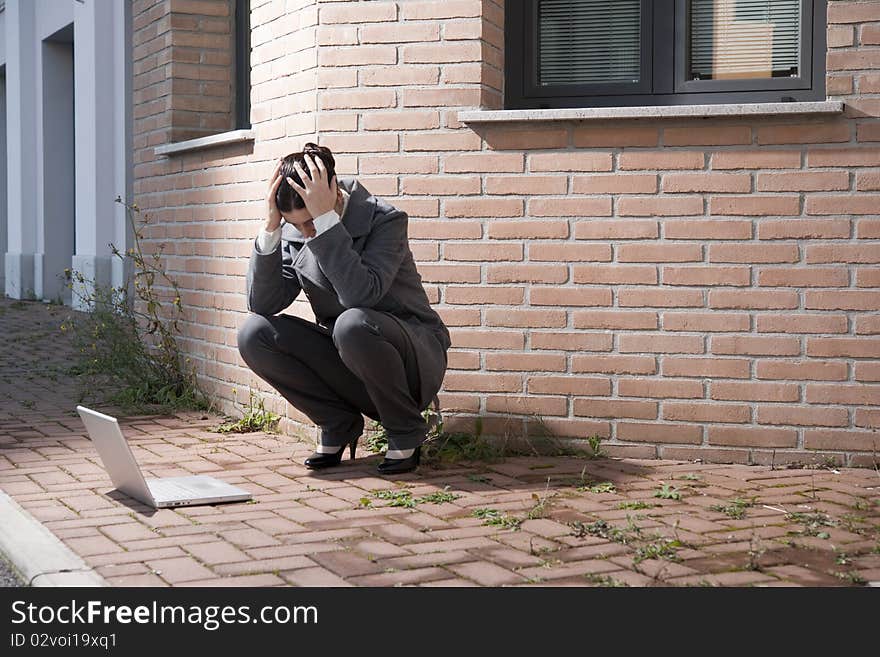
point(37, 554)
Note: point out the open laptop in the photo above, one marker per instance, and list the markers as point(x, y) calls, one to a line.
point(157, 493)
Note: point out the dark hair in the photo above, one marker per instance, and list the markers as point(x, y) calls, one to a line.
point(285, 197)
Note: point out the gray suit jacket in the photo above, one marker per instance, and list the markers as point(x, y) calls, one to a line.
point(362, 262)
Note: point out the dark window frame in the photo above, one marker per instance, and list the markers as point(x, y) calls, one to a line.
point(663, 41)
point(242, 87)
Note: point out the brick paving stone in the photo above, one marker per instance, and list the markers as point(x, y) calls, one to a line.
point(144, 579)
point(346, 564)
point(93, 545)
point(486, 573)
point(742, 578)
point(249, 538)
point(416, 577)
point(450, 583)
point(507, 557)
point(554, 571)
point(256, 566)
point(50, 467)
point(266, 579)
point(125, 532)
point(456, 544)
point(375, 549)
point(428, 559)
point(216, 552)
point(314, 577)
point(179, 569)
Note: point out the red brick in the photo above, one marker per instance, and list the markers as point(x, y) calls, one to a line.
point(803, 181)
point(444, 230)
point(806, 133)
point(733, 368)
point(573, 161)
point(441, 141)
point(616, 137)
point(525, 363)
point(804, 229)
point(441, 97)
point(525, 139)
point(569, 296)
point(493, 339)
point(646, 410)
point(484, 163)
point(613, 319)
point(525, 318)
point(860, 204)
point(754, 205)
point(853, 12)
point(484, 295)
point(483, 382)
point(530, 230)
point(842, 300)
point(761, 159)
point(752, 437)
point(634, 160)
point(849, 440)
point(571, 341)
point(481, 251)
point(840, 393)
point(716, 321)
point(399, 164)
point(843, 157)
point(653, 206)
point(569, 385)
point(749, 391)
point(660, 433)
point(614, 364)
point(712, 229)
point(705, 412)
point(659, 298)
point(661, 388)
point(526, 274)
point(600, 230)
point(836, 347)
point(615, 184)
point(803, 416)
point(425, 10)
point(708, 135)
point(569, 252)
point(803, 277)
point(440, 186)
point(483, 207)
point(570, 207)
point(753, 299)
point(801, 323)
point(707, 182)
point(702, 276)
point(839, 253)
point(611, 274)
point(526, 185)
point(869, 324)
point(449, 273)
point(648, 342)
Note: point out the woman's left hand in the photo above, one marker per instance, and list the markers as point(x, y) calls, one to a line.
point(318, 195)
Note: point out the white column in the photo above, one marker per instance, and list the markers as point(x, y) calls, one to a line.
point(96, 140)
point(21, 142)
point(122, 126)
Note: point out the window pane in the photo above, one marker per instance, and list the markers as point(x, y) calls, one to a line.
point(588, 41)
point(732, 39)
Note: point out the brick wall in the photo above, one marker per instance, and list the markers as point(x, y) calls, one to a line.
point(183, 69)
point(700, 288)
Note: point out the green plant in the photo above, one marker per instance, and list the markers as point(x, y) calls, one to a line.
point(396, 497)
point(595, 442)
point(604, 580)
point(635, 505)
point(690, 476)
point(497, 519)
point(603, 487)
point(736, 509)
point(667, 492)
point(812, 522)
point(439, 497)
point(255, 417)
point(660, 547)
point(849, 576)
point(128, 344)
point(377, 441)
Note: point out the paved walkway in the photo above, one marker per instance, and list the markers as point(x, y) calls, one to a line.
point(520, 521)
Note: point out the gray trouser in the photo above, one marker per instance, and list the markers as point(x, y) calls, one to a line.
point(367, 366)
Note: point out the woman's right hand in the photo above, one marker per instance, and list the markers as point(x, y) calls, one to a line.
point(273, 218)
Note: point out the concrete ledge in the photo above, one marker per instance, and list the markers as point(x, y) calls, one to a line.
point(231, 137)
point(652, 112)
point(37, 554)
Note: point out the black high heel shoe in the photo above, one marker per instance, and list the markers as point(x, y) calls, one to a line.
point(396, 466)
point(318, 460)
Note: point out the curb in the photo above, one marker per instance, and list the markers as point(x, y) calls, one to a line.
point(37, 554)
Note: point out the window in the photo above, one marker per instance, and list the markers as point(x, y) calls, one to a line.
point(602, 53)
point(242, 64)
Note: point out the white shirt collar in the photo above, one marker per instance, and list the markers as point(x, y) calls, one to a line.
point(345, 196)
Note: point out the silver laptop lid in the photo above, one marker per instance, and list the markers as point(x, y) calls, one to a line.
point(115, 454)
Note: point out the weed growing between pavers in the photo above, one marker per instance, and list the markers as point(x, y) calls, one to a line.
point(604, 580)
point(496, 518)
point(129, 347)
point(647, 546)
point(635, 505)
point(668, 492)
point(812, 523)
point(603, 487)
point(254, 417)
point(736, 509)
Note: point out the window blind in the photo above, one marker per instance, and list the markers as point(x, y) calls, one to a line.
point(588, 41)
point(743, 38)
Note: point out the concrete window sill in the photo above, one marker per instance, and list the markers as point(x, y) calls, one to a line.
point(652, 112)
point(224, 138)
